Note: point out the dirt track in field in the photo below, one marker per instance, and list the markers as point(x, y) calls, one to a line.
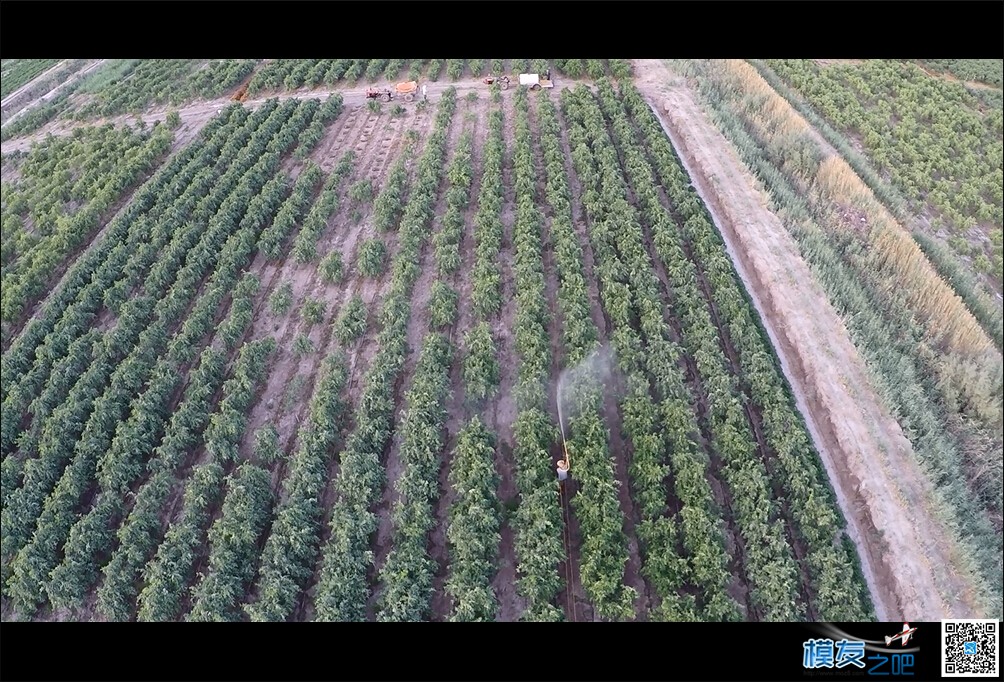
point(6, 101)
point(10, 102)
point(290, 384)
point(500, 411)
point(373, 161)
point(197, 114)
point(474, 120)
point(882, 492)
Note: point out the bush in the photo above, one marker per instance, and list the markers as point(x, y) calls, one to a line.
point(266, 445)
point(442, 305)
point(621, 68)
point(375, 68)
point(361, 192)
point(435, 67)
point(293, 392)
point(370, 260)
point(331, 108)
point(960, 245)
point(393, 69)
point(481, 366)
point(595, 68)
point(313, 311)
point(332, 268)
point(574, 68)
point(281, 298)
point(454, 68)
point(302, 346)
point(351, 323)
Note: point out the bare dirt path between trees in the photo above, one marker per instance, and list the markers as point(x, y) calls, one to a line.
point(196, 114)
point(906, 554)
point(501, 410)
point(458, 405)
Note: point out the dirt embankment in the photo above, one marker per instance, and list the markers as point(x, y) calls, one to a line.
point(886, 499)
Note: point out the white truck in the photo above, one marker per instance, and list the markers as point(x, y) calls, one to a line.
point(534, 81)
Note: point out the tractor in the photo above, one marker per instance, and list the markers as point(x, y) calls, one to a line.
point(405, 90)
point(503, 81)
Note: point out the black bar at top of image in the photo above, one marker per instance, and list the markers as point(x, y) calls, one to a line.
point(620, 652)
point(601, 29)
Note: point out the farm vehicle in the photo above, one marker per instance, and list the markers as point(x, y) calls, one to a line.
point(503, 81)
point(405, 90)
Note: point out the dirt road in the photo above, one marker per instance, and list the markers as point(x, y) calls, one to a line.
point(907, 557)
point(195, 115)
point(75, 76)
point(27, 86)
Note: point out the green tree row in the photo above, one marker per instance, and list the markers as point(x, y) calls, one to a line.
point(661, 433)
point(132, 351)
point(108, 166)
point(604, 552)
point(138, 438)
point(169, 572)
point(343, 590)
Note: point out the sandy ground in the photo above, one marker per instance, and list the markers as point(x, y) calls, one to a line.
point(880, 488)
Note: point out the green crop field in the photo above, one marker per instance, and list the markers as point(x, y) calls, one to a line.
point(279, 351)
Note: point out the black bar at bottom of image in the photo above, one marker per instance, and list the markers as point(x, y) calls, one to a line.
point(348, 651)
